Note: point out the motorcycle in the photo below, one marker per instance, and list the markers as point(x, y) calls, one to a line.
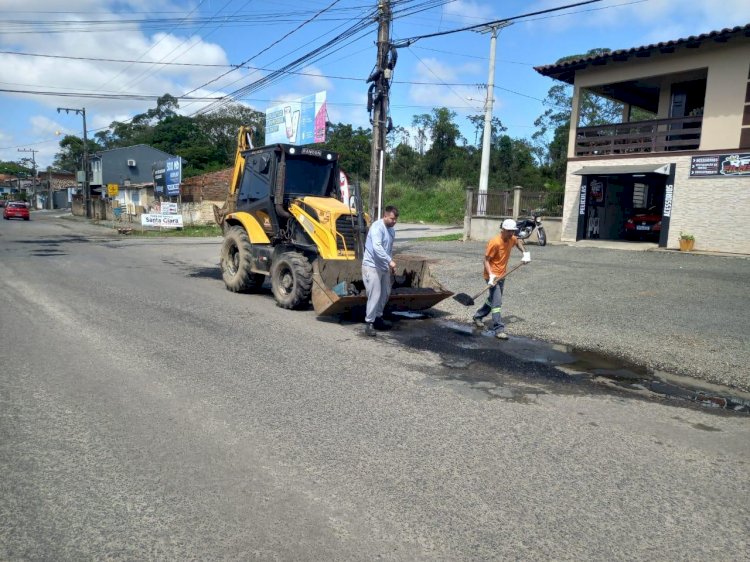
point(526, 227)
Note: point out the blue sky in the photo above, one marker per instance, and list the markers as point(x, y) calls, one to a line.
point(443, 71)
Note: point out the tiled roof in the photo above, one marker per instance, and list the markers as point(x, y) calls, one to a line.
point(566, 70)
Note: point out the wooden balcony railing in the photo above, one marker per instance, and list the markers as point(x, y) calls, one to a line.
point(658, 135)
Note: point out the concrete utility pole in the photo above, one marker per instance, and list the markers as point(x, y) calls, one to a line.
point(33, 170)
point(86, 186)
point(484, 172)
point(378, 102)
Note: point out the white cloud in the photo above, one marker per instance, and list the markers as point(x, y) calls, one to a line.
point(654, 20)
point(468, 12)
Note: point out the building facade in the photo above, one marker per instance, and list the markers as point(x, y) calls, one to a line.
point(678, 161)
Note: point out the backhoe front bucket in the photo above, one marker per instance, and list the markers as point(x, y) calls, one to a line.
point(338, 287)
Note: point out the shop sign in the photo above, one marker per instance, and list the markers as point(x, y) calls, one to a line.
point(728, 165)
point(668, 192)
point(582, 201)
point(163, 221)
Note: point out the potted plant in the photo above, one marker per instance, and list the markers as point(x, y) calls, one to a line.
point(687, 241)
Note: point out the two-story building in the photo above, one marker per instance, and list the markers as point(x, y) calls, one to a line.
point(679, 159)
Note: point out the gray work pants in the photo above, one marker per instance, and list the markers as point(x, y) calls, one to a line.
point(378, 288)
point(492, 305)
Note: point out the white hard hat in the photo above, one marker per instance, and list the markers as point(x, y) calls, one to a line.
point(508, 224)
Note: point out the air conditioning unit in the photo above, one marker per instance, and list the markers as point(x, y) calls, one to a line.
point(131, 163)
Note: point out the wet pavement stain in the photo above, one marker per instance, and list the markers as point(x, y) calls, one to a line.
point(521, 368)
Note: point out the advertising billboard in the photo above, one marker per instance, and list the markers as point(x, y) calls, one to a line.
point(173, 176)
point(298, 122)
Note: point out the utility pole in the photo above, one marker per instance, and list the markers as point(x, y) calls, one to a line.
point(86, 186)
point(377, 102)
point(33, 171)
point(484, 172)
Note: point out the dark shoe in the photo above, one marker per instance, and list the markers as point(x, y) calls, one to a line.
point(369, 329)
point(381, 324)
point(478, 322)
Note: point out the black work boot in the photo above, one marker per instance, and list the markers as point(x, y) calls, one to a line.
point(381, 324)
point(369, 329)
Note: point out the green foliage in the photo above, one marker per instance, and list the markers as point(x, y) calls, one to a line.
point(686, 236)
point(15, 168)
point(441, 202)
point(442, 238)
point(204, 231)
point(352, 146)
point(70, 157)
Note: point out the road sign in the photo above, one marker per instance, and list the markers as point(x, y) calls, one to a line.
point(113, 189)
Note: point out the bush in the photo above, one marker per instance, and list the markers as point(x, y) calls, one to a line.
point(441, 202)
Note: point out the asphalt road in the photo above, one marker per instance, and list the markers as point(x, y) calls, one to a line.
point(147, 413)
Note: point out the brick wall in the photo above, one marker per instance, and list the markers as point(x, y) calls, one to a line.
point(207, 187)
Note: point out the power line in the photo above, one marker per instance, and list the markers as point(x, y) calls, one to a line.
point(407, 42)
point(254, 68)
point(271, 45)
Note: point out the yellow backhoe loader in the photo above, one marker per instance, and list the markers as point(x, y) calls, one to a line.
point(283, 218)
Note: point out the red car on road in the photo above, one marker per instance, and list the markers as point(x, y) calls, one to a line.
point(16, 210)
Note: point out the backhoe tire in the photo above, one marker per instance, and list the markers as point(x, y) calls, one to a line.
point(291, 280)
point(236, 262)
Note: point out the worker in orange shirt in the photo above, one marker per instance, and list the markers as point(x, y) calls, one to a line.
point(496, 258)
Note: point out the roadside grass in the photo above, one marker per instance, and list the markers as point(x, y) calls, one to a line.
point(441, 203)
point(442, 238)
point(194, 231)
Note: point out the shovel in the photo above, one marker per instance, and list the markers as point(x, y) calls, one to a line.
point(468, 300)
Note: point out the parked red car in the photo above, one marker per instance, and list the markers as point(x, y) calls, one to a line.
point(644, 224)
point(16, 210)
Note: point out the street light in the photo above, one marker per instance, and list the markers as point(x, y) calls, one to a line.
point(86, 186)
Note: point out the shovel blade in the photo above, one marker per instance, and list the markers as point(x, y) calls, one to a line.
point(464, 299)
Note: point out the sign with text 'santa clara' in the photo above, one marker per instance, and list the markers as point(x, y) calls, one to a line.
point(163, 221)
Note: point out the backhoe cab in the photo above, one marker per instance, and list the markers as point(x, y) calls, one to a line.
point(284, 219)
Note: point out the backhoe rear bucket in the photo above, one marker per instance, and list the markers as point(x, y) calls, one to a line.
point(338, 287)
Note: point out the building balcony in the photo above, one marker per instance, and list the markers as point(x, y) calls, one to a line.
point(657, 135)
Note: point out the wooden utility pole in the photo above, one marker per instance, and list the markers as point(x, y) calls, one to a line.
point(378, 101)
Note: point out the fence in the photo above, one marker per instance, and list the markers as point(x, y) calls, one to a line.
point(500, 203)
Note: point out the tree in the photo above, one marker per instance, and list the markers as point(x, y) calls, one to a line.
point(445, 135)
point(352, 146)
point(423, 124)
point(478, 122)
point(70, 157)
point(183, 137)
point(222, 126)
point(553, 126)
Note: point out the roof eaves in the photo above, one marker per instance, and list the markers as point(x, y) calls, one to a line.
point(566, 71)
